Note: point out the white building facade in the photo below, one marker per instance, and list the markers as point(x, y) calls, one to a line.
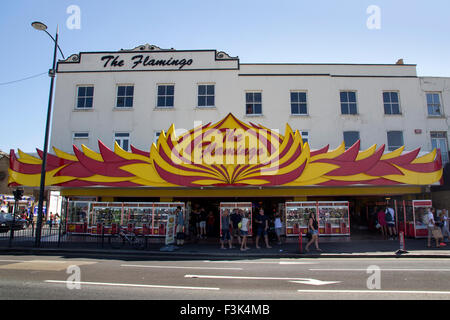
point(130, 96)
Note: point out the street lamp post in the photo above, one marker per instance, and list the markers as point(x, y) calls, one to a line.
point(52, 73)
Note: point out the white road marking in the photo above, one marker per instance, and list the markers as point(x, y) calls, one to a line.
point(260, 262)
point(177, 267)
point(129, 285)
point(386, 269)
point(315, 282)
point(374, 291)
point(301, 280)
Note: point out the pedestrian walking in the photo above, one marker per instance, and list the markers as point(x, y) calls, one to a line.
point(225, 226)
point(381, 215)
point(202, 223)
point(390, 221)
point(262, 227)
point(180, 220)
point(313, 228)
point(278, 226)
point(432, 232)
point(235, 218)
point(445, 225)
point(245, 226)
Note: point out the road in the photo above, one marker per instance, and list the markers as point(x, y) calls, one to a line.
point(112, 277)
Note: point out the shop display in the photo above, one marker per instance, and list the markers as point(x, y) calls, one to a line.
point(297, 217)
point(242, 208)
point(416, 221)
point(334, 218)
point(105, 214)
point(77, 216)
point(140, 218)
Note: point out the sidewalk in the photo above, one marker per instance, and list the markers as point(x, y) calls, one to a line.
point(331, 248)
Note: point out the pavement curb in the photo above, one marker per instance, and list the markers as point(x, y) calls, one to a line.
point(176, 254)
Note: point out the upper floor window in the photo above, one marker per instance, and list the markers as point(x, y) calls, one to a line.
point(395, 140)
point(298, 103)
point(434, 103)
point(123, 140)
point(391, 102)
point(348, 102)
point(350, 138)
point(253, 103)
point(439, 141)
point(125, 96)
point(206, 95)
point(85, 97)
point(166, 95)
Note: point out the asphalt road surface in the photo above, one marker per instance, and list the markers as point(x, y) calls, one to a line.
point(109, 277)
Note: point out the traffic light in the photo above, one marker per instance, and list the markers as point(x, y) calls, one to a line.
point(18, 193)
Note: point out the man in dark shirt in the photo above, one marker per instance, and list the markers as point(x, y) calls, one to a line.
point(262, 227)
point(235, 219)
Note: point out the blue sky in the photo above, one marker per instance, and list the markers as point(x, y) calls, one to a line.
point(257, 31)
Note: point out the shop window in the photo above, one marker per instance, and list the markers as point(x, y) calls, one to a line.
point(348, 102)
point(298, 103)
point(439, 141)
point(166, 94)
point(85, 97)
point(395, 140)
point(123, 140)
point(206, 94)
point(391, 103)
point(434, 103)
point(253, 103)
point(125, 96)
point(350, 138)
point(80, 138)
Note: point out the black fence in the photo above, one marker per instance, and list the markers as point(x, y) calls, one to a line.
point(55, 235)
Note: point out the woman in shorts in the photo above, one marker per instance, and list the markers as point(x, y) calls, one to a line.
point(245, 224)
point(313, 227)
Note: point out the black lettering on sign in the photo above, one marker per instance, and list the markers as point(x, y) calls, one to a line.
point(115, 61)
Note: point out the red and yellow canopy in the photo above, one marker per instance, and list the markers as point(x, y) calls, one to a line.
point(227, 153)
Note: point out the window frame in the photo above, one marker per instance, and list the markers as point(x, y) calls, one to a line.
point(206, 95)
point(439, 94)
point(253, 103)
point(126, 85)
point(307, 136)
point(445, 159)
point(77, 96)
point(393, 148)
point(299, 103)
point(165, 95)
point(156, 134)
point(351, 131)
point(392, 103)
point(80, 138)
point(115, 138)
point(348, 102)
